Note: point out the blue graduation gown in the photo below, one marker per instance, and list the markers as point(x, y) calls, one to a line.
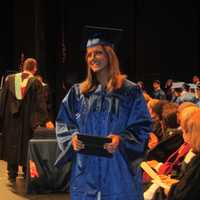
point(100, 113)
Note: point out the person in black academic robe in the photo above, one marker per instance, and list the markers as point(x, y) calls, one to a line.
point(22, 109)
point(48, 97)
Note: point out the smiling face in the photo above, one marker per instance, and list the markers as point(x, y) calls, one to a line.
point(96, 58)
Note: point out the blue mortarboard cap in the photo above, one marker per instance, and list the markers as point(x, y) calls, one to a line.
point(176, 85)
point(94, 35)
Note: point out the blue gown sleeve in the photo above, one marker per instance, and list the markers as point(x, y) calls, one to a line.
point(66, 127)
point(139, 125)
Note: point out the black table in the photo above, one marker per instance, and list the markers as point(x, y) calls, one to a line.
point(42, 175)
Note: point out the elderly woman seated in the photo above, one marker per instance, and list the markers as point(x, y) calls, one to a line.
point(175, 163)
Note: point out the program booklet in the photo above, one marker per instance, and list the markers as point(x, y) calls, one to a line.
point(156, 178)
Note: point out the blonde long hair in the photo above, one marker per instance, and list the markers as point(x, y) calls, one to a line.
point(116, 78)
point(194, 129)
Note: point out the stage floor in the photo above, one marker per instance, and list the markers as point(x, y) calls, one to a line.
point(16, 191)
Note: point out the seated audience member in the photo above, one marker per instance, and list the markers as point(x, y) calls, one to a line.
point(169, 119)
point(172, 138)
point(187, 95)
point(182, 94)
point(181, 107)
point(158, 93)
point(168, 89)
point(173, 142)
point(192, 88)
point(177, 88)
point(155, 109)
point(188, 186)
point(167, 115)
point(177, 161)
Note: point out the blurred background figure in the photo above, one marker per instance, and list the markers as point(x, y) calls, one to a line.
point(158, 93)
point(195, 79)
point(168, 89)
